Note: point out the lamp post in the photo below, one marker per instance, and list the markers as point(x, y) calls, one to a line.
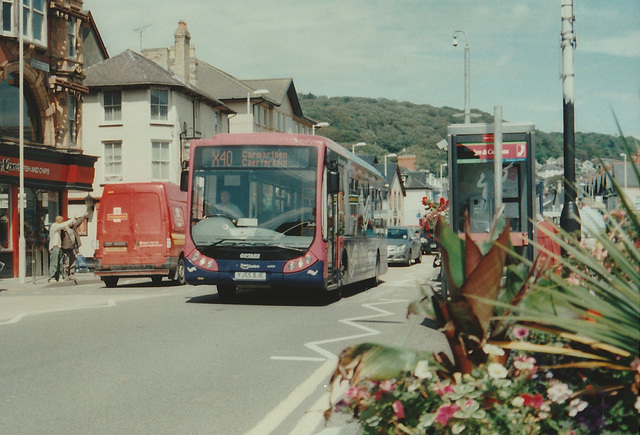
point(249, 95)
point(625, 171)
point(318, 125)
point(385, 161)
point(569, 217)
point(467, 75)
point(441, 186)
point(359, 144)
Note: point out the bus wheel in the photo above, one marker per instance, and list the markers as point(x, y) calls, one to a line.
point(226, 291)
point(179, 276)
point(110, 281)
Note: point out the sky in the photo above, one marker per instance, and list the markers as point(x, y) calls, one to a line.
point(402, 50)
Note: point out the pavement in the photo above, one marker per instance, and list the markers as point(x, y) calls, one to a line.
point(18, 299)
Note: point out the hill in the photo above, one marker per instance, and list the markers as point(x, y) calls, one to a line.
point(389, 126)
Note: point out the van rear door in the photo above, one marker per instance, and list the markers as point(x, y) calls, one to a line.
point(150, 227)
point(116, 234)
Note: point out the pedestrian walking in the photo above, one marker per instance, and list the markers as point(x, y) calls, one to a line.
point(55, 246)
point(71, 242)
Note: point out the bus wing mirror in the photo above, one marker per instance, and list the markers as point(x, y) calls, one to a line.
point(184, 180)
point(333, 182)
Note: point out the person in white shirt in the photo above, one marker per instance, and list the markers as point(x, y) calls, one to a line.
point(55, 246)
point(228, 208)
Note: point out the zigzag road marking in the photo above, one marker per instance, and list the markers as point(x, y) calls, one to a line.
point(311, 420)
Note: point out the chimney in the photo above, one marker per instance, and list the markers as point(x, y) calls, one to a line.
point(409, 162)
point(182, 51)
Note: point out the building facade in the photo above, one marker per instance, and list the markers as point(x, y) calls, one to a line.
point(52, 93)
point(139, 118)
point(268, 105)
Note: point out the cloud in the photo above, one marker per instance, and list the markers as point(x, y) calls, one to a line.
point(625, 45)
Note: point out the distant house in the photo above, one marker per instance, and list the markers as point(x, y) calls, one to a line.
point(277, 110)
point(139, 118)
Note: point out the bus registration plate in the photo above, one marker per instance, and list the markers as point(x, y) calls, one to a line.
point(251, 276)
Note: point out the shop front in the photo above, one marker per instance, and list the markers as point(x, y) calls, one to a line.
point(49, 175)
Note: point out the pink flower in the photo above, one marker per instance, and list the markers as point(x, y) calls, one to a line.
point(520, 333)
point(559, 392)
point(534, 401)
point(387, 386)
point(357, 393)
point(445, 412)
point(447, 389)
point(398, 409)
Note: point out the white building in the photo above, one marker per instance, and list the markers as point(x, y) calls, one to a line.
point(139, 117)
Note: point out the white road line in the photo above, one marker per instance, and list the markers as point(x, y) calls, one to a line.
point(309, 386)
point(16, 319)
point(288, 405)
point(315, 415)
point(297, 358)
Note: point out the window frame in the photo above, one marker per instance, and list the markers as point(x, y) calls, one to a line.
point(29, 9)
point(108, 110)
point(111, 162)
point(160, 163)
point(159, 117)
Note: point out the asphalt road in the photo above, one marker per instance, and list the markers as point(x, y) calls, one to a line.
point(171, 359)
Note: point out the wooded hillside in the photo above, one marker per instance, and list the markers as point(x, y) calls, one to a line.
point(389, 126)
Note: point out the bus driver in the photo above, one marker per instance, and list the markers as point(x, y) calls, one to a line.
point(227, 208)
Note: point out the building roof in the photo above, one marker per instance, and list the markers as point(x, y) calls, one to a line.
point(130, 69)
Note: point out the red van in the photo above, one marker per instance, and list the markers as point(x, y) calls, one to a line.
point(140, 232)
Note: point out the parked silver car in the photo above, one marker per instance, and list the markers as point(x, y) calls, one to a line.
point(403, 246)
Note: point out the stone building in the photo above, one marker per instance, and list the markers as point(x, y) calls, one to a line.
point(52, 95)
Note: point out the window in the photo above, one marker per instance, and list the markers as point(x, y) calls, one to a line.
point(71, 33)
point(34, 20)
point(38, 20)
point(73, 123)
point(112, 103)
point(112, 161)
point(6, 17)
point(159, 104)
point(159, 160)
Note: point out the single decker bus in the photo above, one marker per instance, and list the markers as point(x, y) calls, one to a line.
point(282, 210)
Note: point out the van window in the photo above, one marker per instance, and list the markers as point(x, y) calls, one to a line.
point(149, 218)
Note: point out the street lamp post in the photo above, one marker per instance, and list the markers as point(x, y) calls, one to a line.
point(318, 125)
point(385, 161)
point(569, 217)
point(359, 144)
point(249, 95)
point(441, 186)
point(467, 75)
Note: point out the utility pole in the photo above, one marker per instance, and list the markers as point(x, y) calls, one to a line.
point(570, 214)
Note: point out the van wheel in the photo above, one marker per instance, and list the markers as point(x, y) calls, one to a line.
point(110, 281)
point(156, 279)
point(226, 291)
point(179, 276)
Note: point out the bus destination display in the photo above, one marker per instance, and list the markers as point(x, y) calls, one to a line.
point(255, 157)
